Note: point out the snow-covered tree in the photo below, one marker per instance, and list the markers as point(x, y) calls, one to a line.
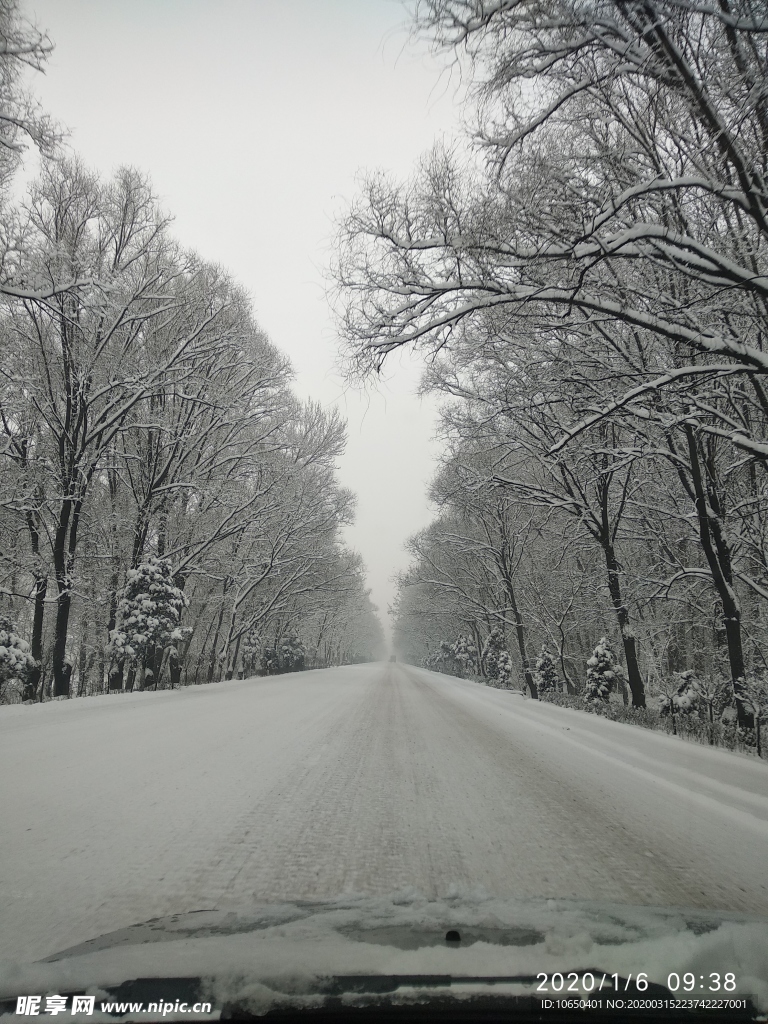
point(506, 668)
point(251, 651)
point(464, 655)
point(21, 119)
point(16, 661)
point(602, 238)
point(497, 660)
point(601, 673)
point(148, 617)
point(680, 694)
point(494, 645)
point(546, 674)
point(292, 654)
point(270, 661)
point(714, 695)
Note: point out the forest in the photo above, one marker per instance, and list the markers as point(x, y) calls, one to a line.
point(170, 511)
point(585, 274)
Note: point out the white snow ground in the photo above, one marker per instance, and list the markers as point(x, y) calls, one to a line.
point(364, 780)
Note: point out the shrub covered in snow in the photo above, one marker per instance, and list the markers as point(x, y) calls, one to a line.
point(729, 716)
point(15, 661)
point(288, 656)
point(251, 651)
point(441, 659)
point(270, 664)
point(497, 661)
point(602, 673)
point(292, 654)
point(722, 733)
point(148, 614)
point(464, 655)
point(458, 658)
point(714, 696)
point(680, 695)
point(506, 668)
point(494, 645)
point(545, 675)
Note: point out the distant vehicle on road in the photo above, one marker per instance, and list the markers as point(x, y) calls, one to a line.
point(393, 657)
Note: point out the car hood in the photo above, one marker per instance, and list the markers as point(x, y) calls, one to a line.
point(267, 956)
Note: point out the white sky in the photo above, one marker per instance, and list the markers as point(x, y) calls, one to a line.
point(253, 118)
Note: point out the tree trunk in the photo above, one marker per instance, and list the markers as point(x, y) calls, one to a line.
point(61, 677)
point(116, 674)
point(718, 557)
point(569, 685)
point(217, 633)
point(82, 662)
point(36, 647)
point(636, 685)
point(64, 548)
point(116, 665)
point(34, 678)
point(233, 659)
point(520, 633)
point(177, 662)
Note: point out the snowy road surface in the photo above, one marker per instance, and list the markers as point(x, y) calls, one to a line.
point(366, 779)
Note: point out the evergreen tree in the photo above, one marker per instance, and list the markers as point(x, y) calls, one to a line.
point(292, 654)
point(505, 668)
point(602, 674)
point(269, 662)
point(546, 677)
point(464, 655)
point(15, 663)
point(148, 616)
point(494, 645)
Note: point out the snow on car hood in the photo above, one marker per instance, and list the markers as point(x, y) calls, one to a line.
point(263, 955)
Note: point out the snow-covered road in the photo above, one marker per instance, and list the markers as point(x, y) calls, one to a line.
point(366, 779)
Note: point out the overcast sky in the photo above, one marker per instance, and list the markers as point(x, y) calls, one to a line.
point(253, 119)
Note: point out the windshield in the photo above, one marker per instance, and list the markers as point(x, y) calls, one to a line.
point(383, 559)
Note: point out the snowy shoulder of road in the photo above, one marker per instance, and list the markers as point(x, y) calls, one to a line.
point(736, 783)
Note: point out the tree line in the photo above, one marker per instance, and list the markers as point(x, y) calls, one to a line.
point(169, 510)
point(587, 275)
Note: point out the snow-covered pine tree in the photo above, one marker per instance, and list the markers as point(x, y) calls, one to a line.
point(15, 662)
point(292, 654)
point(464, 654)
point(505, 668)
point(493, 646)
point(445, 661)
point(687, 700)
point(148, 615)
point(269, 662)
point(251, 651)
point(545, 676)
point(680, 694)
point(601, 673)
